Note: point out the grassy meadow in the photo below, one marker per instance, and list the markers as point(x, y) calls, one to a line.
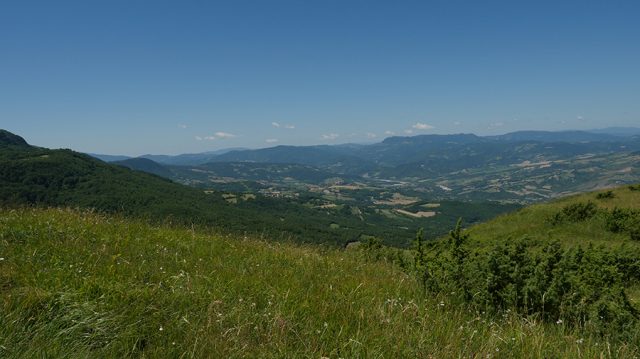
point(77, 284)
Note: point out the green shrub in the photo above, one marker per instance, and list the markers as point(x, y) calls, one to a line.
point(582, 288)
point(605, 195)
point(575, 212)
point(624, 220)
point(371, 244)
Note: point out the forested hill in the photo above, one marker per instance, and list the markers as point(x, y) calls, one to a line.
point(9, 139)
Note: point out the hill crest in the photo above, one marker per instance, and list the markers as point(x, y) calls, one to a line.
point(9, 139)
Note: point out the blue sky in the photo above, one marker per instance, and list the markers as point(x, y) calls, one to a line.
point(134, 77)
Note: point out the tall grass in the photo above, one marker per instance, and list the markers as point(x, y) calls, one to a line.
point(78, 284)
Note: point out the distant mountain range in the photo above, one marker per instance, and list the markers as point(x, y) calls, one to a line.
point(561, 162)
point(144, 165)
point(182, 159)
point(392, 151)
point(564, 136)
point(618, 131)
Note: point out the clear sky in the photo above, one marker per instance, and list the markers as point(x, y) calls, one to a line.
point(134, 77)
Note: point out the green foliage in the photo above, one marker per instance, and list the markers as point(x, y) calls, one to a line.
point(624, 220)
point(371, 244)
point(457, 259)
point(605, 195)
point(374, 251)
point(578, 287)
point(419, 246)
point(575, 212)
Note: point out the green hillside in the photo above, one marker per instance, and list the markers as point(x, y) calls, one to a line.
point(535, 223)
point(575, 261)
point(144, 165)
point(79, 284)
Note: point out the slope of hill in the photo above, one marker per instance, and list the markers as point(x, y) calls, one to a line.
point(575, 260)
point(145, 165)
point(235, 171)
point(109, 158)
point(78, 284)
point(9, 139)
point(190, 159)
point(251, 171)
point(336, 158)
point(536, 222)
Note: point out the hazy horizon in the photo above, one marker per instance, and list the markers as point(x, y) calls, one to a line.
point(635, 131)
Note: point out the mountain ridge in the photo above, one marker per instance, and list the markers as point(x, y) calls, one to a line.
point(522, 166)
point(346, 151)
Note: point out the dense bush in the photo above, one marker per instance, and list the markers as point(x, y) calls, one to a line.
point(579, 287)
point(624, 220)
point(575, 212)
